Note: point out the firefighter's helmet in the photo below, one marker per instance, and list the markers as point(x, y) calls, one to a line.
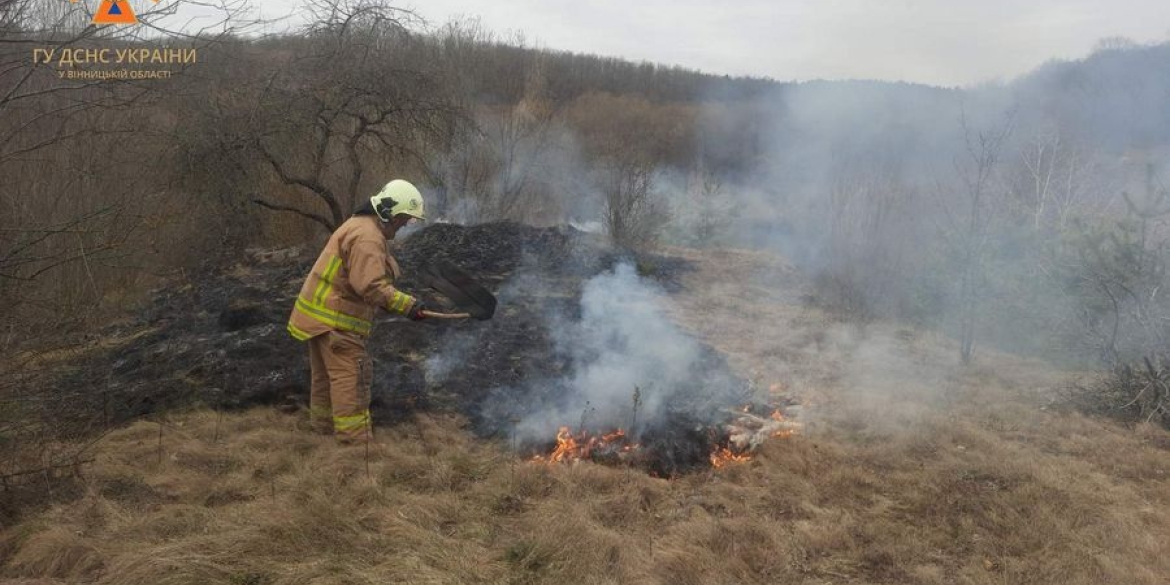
point(396, 197)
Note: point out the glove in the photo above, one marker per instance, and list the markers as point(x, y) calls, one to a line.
point(416, 310)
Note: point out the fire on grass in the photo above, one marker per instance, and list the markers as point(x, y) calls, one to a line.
point(584, 445)
point(734, 440)
point(746, 431)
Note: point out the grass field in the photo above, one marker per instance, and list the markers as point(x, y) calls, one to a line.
point(909, 470)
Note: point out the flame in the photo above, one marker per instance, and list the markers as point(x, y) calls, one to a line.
point(784, 433)
point(583, 445)
point(746, 433)
point(722, 456)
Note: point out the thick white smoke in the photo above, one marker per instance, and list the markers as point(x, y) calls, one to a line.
point(622, 341)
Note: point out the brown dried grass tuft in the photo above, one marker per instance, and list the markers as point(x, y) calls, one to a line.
point(57, 552)
point(271, 503)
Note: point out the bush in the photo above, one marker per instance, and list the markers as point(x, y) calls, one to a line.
point(1131, 392)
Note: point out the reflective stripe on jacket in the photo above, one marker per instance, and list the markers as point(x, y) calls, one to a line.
point(350, 280)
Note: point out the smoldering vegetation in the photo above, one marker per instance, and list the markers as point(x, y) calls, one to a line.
point(977, 485)
point(623, 365)
point(580, 336)
point(618, 342)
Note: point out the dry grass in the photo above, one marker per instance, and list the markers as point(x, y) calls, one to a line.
point(945, 501)
point(909, 472)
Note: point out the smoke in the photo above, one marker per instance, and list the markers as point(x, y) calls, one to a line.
point(439, 365)
point(868, 188)
point(865, 186)
point(522, 166)
point(620, 342)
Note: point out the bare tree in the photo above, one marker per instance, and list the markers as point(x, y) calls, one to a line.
point(870, 236)
point(58, 214)
point(523, 138)
point(629, 140)
point(505, 165)
point(76, 193)
point(633, 212)
point(969, 213)
point(698, 222)
point(1057, 177)
point(351, 99)
point(1123, 266)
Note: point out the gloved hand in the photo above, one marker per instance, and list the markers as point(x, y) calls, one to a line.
point(416, 310)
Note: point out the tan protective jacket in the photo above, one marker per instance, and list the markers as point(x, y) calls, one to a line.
point(349, 282)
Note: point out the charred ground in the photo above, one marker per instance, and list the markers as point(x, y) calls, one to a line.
point(909, 469)
point(219, 340)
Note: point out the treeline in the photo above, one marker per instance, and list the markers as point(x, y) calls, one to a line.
point(499, 63)
point(1031, 216)
point(113, 184)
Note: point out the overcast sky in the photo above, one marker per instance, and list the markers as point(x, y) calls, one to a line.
point(942, 42)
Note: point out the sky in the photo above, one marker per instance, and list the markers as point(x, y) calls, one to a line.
point(938, 42)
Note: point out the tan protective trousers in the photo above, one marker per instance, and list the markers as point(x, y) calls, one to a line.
point(339, 398)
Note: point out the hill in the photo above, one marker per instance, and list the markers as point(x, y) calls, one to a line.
point(908, 470)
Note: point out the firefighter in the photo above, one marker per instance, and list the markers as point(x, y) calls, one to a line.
point(334, 312)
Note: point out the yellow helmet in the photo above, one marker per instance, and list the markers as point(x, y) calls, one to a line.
point(396, 197)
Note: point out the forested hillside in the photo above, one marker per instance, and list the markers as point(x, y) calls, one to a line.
point(1026, 215)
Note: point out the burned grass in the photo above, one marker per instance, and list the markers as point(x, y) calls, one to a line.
point(219, 339)
point(907, 470)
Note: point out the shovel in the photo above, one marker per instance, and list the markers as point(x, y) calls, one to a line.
point(461, 288)
point(434, 315)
